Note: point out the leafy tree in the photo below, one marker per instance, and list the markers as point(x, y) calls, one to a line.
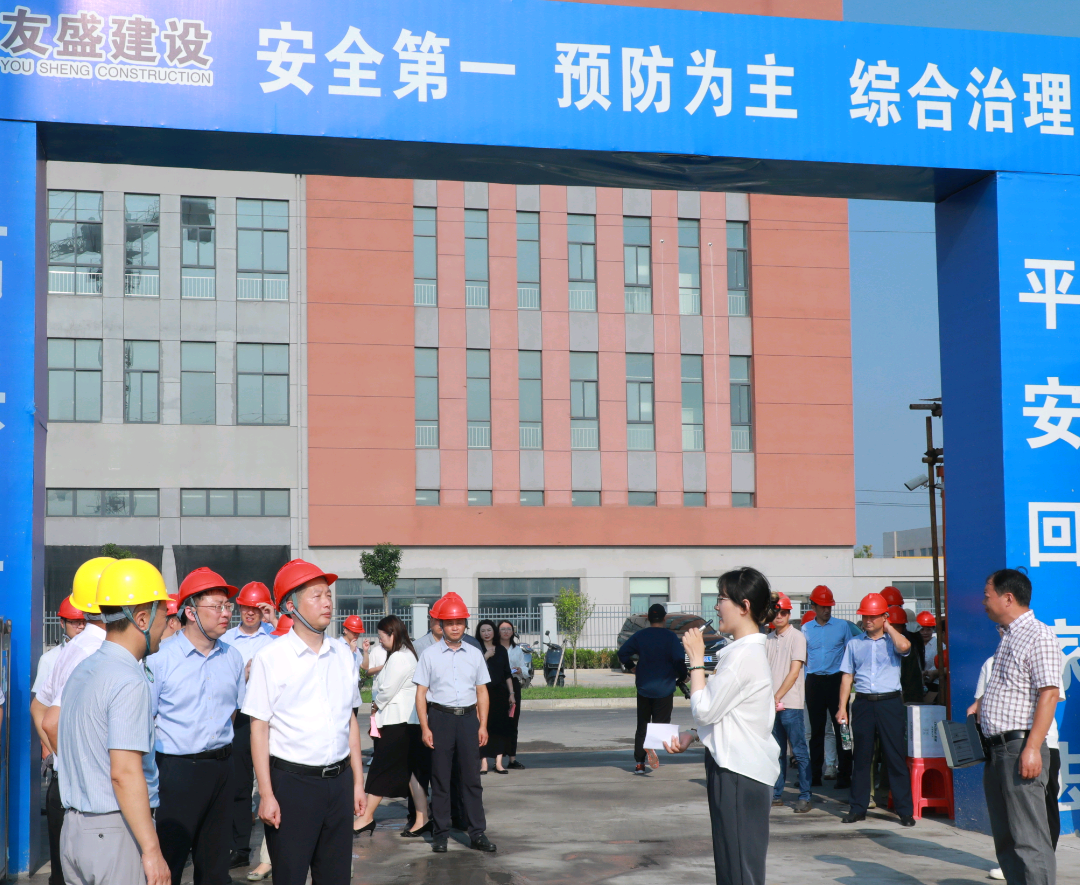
point(116, 551)
point(866, 551)
point(381, 567)
point(572, 611)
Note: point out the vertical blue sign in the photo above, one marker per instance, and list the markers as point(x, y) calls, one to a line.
point(1010, 319)
point(22, 465)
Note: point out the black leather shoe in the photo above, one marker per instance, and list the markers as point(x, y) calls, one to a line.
point(907, 821)
point(438, 846)
point(482, 843)
point(239, 859)
point(418, 834)
point(843, 783)
point(852, 818)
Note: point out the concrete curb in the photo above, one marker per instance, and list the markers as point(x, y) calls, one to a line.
point(587, 703)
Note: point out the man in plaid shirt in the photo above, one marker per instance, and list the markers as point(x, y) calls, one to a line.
point(1015, 714)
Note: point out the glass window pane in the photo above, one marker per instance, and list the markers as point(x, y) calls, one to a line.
point(193, 502)
point(62, 245)
point(87, 353)
point(479, 499)
point(478, 394)
point(639, 366)
point(574, 262)
point(61, 395)
point(642, 499)
point(62, 204)
point(249, 213)
point(276, 358)
point(145, 502)
point(476, 259)
point(88, 205)
point(740, 368)
point(88, 396)
point(691, 367)
point(141, 355)
point(532, 499)
point(249, 358)
point(645, 392)
point(116, 503)
point(633, 407)
point(276, 502)
point(248, 502)
point(133, 396)
point(740, 404)
point(207, 239)
point(477, 364)
point(249, 399)
point(476, 221)
point(427, 497)
point(221, 502)
point(528, 261)
point(585, 499)
point(88, 245)
point(736, 234)
point(149, 397)
point(528, 225)
point(427, 399)
point(692, 406)
point(694, 499)
point(61, 353)
point(689, 268)
point(141, 208)
point(276, 251)
point(198, 398)
point(197, 356)
point(635, 231)
point(424, 221)
point(249, 250)
point(425, 260)
point(581, 228)
point(689, 232)
point(742, 499)
point(528, 363)
point(583, 366)
point(276, 214)
point(189, 246)
point(88, 502)
point(275, 399)
point(59, 502)
point(427, 361)
point(197, 210)
point(530, 400)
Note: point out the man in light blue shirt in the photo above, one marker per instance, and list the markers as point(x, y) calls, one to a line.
point(872, 664)
point(198, 687)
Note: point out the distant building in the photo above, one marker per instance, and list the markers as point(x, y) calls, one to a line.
point(911, 542)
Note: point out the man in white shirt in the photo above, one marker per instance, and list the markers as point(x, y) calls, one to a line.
point(305, 741)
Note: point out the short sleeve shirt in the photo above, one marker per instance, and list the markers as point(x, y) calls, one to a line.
point(782, 649)
point(451, 675)
point(1027, 659)
point(825, 644)
point(75, 652)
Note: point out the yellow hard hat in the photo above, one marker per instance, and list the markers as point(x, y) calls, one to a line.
point(84, 587)
point(131, 582)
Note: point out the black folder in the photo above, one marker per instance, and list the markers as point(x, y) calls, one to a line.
point(962, 742)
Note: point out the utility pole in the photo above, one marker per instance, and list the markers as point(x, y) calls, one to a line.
point(932, 458)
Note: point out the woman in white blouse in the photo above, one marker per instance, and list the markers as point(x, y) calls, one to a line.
point(734, 712)
point(398, 752)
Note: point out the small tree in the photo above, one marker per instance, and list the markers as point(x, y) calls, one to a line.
point(866, 551)
point(116, 551)
point(572, 611)
point(381, 567)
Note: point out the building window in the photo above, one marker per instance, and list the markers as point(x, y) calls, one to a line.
point(478, 397)
point(101, 502)
point(427, 497)
point(581, 241)
point(142, 367)
point(198, 382)
point(75, 242)
point(262, 250)
point(234, 502)
point(693, 404)
point(640, 430)
point(530, 400)
point(528, 260)
point(637, 261)
point(742, 499)
point(504, 596)
point(709, 596)
point(532, 499)
point(142, 218)
point(427, 399)
point(689, 266)
point(476, 258)
point(425, 257)
point(479, 498)
point(584, 411)
point(741, 437)
point(355, 596)
point(197, 247)
point(74, 379)
point(693, 499)
point(645, 592)
point(585, 499)
point(738, 266)
point(641, 499)
point(262, 383)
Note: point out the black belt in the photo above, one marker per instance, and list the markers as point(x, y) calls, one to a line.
point(453, 711)
point(881, 696)
point(219, 754)
point(323, 771)
point(1000, 740)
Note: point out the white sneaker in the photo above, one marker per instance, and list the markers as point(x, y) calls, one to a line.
point(830, 773)
point(996, 873)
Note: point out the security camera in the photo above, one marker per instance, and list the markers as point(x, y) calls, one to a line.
point(917, 482)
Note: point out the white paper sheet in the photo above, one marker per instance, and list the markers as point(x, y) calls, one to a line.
point(657, 733)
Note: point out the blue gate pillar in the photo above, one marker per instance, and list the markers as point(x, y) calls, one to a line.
point(23, 394)
point(1008, 247)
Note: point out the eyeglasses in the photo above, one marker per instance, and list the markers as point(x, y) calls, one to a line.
point(224, 608)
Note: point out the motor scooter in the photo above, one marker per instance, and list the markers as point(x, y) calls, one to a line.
point(527, 674)
point(554, 662)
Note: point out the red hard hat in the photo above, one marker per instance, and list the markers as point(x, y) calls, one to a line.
point(354, 623)
point(284, 625)
point(449, 607)
point(872, 604)
point(69, 612)
point(822, 595)
point(784, 604)
point(897, 615)
point(172, 607)
point(807, 616)
point(892, 596)
point(254, 593)
point(201, 580)
point(296, 573)
point(926, 619)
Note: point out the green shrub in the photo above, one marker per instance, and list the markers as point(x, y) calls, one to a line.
point(587, 659)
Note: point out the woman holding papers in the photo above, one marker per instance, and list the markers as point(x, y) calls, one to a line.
point(734, 713)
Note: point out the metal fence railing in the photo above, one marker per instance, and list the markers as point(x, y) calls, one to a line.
point(371, 620)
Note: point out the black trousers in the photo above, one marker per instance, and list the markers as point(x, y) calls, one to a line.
point(455, 736)
point(1053, 813)
point(887, 721)
point(511, 747)
point(739, 812)
point(822, 702)
point(650, 710)
point(54, 815)
point(316, 828)
point(193, 817)
point(243, 780)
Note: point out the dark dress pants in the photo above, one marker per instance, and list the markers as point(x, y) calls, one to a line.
point(822, 702)
point(194, 816)
point(54, 815)
point(739, 813)
point(886, 720)
point(650, 710)
point(243, 781)
point(455, 736)
point(1018, 816)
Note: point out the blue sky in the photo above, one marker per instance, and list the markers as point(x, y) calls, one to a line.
point(895, 358)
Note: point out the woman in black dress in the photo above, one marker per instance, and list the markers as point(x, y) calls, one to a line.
point(501, 697)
